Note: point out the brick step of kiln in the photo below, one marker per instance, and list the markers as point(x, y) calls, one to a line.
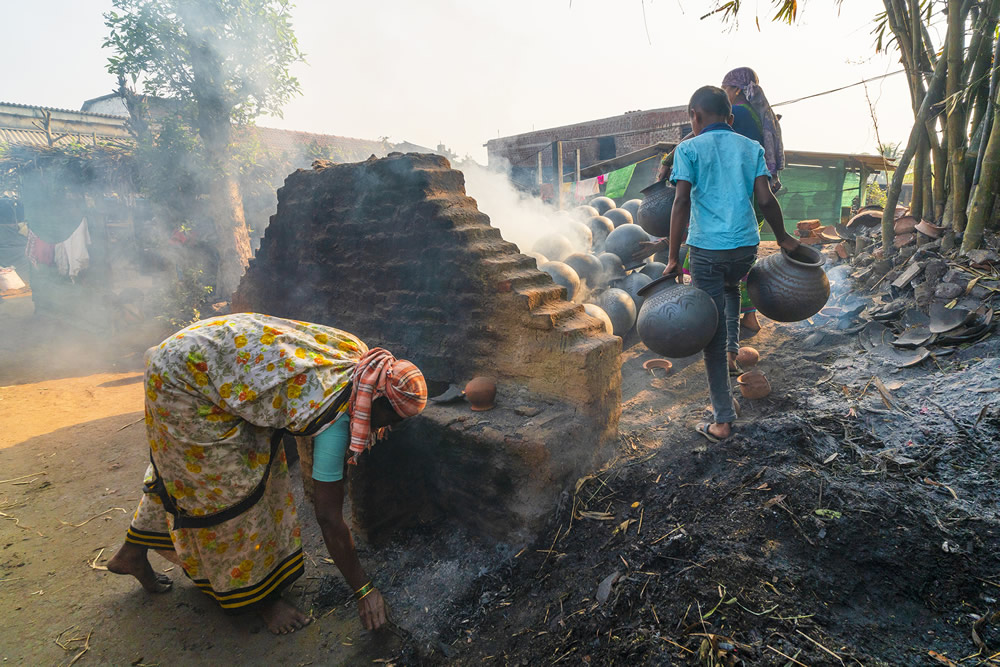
point(542, 293)
point(556, 315)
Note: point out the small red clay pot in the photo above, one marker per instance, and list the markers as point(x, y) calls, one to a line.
point(753, 385)
point(747, 357)
point(481, 392)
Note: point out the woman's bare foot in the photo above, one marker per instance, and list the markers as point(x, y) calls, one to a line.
point(131, 559)
point(733, 366)
point(750, 322)
point(282, 618)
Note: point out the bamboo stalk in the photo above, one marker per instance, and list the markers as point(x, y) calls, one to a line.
point(932, 96)
point(954, 47)
point(985, 194)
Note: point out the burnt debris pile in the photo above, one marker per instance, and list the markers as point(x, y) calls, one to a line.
point(921, 300)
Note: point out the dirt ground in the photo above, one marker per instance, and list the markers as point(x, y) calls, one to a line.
point(841, 525)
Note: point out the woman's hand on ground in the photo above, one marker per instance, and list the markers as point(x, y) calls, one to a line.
point(371, 609)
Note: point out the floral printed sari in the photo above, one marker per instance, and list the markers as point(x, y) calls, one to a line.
point(218, 396)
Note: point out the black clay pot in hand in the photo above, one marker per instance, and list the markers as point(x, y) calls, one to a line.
point(676, 320)
point(789, 287)
point(654, 213)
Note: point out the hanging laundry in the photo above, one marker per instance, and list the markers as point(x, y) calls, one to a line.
point(618, 181)
point(71, 255)
point(38, 251)
point(586, 189)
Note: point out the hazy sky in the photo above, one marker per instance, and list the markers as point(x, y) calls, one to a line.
point(464, 71)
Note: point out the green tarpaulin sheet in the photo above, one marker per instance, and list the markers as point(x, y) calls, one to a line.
point(618, 181)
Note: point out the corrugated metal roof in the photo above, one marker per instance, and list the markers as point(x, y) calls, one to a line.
point(74, 111)
point(37, 138)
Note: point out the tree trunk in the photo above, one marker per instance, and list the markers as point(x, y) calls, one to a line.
point(989, 181)
point(954, 47)
point(214, 118)
point(933, 94)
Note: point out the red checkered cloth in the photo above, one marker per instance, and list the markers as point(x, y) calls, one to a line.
point(380, 374)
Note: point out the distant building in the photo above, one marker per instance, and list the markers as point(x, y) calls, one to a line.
point(597, 140)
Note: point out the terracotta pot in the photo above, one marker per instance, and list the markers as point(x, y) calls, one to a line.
point(481, 392)
point(632, 206)
point(928, 228)
point(624, 242)
point(563, 275)
point(619, 307)
point(600, 227)
point(904, 225)
point(619, 217)
point(753, 385)
point(587, 266)
point(554, 246)
point(676, 320)
point(585, 211)
point(747, 357)
point(602, 204)
point(789, 287)
point(654, 214)
point(901, 240)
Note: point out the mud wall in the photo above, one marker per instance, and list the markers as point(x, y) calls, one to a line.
point(394, 251)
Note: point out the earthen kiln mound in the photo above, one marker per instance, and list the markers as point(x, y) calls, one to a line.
point(394, 251)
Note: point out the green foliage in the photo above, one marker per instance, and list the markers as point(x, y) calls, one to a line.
point(184, 300)
point(875, 195)
point(230, 57)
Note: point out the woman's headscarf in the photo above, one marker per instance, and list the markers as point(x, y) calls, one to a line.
point(746, 80)
point(380, 374)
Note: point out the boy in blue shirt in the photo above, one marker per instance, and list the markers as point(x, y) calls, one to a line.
point(717, 173)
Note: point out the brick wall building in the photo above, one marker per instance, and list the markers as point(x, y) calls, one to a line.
point(596, 140)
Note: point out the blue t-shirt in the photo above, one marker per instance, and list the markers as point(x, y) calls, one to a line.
point(721, 167)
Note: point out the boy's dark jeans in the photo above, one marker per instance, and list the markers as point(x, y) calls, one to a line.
point(718, 272)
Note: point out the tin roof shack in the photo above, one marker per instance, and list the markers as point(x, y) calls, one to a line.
point(594, 141)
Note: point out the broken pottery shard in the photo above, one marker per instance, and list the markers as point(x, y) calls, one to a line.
point(865, 219)
point(890, 311)
point(814, 339)
point(604, 588)
point(915, 337)
point(983, 257)
point(948, 291)
point(901, 358)
point(914, 317)
point(929, 229)
point(908, 275)
point(843, 232)
point(451, 394)
point(945, 319)
point(873, 335)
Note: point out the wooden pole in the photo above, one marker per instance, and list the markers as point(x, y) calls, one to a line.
point(557, 172)
point(539, 179)
point(576, 176)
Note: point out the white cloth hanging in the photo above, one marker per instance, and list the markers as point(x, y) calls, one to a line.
point(71, 255)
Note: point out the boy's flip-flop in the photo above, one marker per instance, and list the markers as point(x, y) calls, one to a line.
point(702, 428)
